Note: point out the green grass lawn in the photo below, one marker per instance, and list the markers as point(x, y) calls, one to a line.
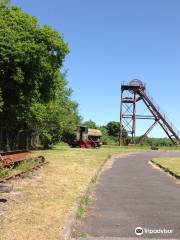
point(172, 164)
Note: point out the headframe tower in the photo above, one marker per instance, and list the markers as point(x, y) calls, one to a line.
point(131, 93)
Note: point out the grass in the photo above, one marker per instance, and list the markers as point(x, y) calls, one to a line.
point(20, 167)
point(80, 212)
point(45, 201)
point(169, 164)
point(146, 147)
point(4, 172)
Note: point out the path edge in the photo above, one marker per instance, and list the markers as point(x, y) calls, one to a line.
point(71, 220)
point(165, 169)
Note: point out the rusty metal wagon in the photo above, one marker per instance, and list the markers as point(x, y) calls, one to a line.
point(86, 138)
point(8, 159)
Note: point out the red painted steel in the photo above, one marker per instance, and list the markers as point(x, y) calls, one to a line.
point(131, 93)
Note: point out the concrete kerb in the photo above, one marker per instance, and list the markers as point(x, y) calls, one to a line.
point(165, 169)
point(71, 219)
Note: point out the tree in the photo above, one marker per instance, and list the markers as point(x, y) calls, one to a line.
point(90, 124)
point(4, 3)
point(1, 101)
point(55, 120)
point(34, 95)
point(113, 129)
point(105, 137)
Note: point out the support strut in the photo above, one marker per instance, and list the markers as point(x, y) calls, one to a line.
point(144, 136)
point(131, 93)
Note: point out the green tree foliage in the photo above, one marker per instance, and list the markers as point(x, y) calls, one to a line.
point(4, 3)
point(1, 101)
point(57, 118)
point(159, 142)
point(106, 139)
point(90, 124)
point(113, 129)
point(111, 133)
point(33, 94)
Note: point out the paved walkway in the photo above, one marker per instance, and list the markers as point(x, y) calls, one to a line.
point(133, 194)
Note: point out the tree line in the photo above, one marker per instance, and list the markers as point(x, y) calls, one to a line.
point(36, 108)
point(110, 135)
point(35, 100)
point(110, 132)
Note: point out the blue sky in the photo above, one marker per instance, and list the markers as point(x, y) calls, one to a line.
point(113, 41)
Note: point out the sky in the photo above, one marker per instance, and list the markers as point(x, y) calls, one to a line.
point(112, 41)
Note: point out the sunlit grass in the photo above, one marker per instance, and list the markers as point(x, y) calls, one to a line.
point(22, 166)
point(172, 164)
point(50, 196)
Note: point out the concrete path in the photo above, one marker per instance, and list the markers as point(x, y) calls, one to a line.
point(133, 194)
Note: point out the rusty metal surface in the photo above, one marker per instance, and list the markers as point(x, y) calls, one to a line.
point(86, 138)
point(8, 159)
point(36, 167)
point(94, 132)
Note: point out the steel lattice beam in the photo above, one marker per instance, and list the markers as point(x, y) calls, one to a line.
point(132, 93)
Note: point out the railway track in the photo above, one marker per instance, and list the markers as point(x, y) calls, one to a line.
point(36, 167)
point(10, 159)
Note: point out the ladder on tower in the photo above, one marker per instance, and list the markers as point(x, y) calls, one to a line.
point(138, 92)
point(160, 117)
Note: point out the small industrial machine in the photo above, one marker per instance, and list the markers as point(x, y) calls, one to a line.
point(86, 138)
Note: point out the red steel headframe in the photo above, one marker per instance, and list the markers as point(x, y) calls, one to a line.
point(131, 93)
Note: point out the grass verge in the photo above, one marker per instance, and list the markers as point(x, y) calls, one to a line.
point(45, 201)
point(170, 165)
point(85, 199)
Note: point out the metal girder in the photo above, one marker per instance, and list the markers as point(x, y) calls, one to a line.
point(132, 93)
point(143, 137)
point(128, 117)
point(139, 117)
point(161, 120)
